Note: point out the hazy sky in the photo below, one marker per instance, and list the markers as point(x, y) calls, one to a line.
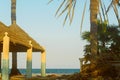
point(63, 44)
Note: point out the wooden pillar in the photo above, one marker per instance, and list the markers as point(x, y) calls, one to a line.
point(43, 64)
point(14, 70)
point(29, 61)
point(5, 58)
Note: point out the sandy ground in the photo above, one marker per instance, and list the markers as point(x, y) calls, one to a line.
point(38, 77)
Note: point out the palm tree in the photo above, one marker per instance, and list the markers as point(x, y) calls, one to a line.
point(68, 7)
point(14, 70)
point(107, 40)
point(108, 47)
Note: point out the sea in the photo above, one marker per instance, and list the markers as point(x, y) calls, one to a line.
point(52, 71)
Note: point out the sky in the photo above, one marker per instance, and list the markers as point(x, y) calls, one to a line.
point(63, 44)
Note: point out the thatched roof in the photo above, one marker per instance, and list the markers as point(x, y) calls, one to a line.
point(3, 29)
point(19, 39)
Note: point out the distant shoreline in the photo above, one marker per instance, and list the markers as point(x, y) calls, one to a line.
point(52, 71)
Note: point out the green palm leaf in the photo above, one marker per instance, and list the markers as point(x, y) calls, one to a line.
point(50, 1)
point(116, 13)
point(60, 7)
point(83, 16)
point(66, 7)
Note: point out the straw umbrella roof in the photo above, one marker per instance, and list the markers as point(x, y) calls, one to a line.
point(3, 29)
point(19, 39)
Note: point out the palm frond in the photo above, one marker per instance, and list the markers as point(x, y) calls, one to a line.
point(63, 10)
point(115, 2)
point(109, 7)
point(73, 10)
point(86, 36)
point(83, 16)
point(65, 19)
point(100, 17)
point(60, 7)
point(106, 13)
point(50, 1)
point(67, 7)
point(103, 13)
point(116, 13)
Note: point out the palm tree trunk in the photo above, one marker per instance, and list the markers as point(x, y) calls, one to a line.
point(93, 29)
point(13, 11)
point(14, 70)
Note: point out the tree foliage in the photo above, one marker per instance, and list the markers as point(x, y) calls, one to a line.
point(108, 49)
point(108, 39)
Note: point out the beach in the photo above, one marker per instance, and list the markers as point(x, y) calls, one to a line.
point(51, 74)
point(38, 77)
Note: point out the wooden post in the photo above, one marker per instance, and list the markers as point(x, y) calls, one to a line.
point(43, 64)
point(29, 61)
point(5, 58)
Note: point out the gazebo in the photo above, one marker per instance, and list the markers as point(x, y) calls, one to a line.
point(13, 39)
